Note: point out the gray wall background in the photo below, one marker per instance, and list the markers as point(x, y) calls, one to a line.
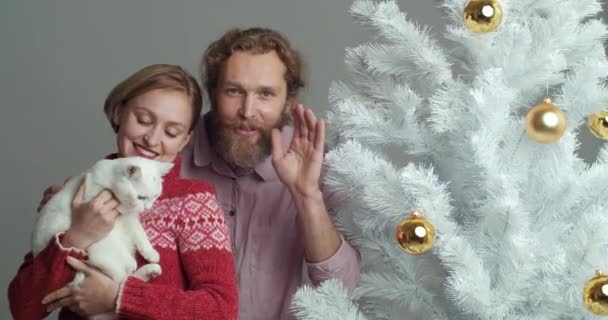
point(59, 59)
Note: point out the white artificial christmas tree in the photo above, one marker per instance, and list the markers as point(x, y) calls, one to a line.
point(521, 225)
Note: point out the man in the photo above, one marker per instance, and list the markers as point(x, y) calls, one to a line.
point(267, 174)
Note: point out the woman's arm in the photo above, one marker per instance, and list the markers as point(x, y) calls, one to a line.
point(48, 271)
point(208, 266)
point(39, 276)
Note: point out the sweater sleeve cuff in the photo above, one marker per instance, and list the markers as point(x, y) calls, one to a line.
point(119, 297)
point(343, 265)
point(74, 252)
point(131, 299)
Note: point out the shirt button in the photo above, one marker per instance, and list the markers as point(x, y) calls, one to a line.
point(232, 213)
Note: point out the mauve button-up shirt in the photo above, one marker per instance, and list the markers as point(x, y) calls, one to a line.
point(267, 244)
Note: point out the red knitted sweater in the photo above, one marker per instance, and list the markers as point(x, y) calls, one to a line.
point(187, 228)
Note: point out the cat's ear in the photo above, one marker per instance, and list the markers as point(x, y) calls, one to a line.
point(165, 167)
point(133, 171)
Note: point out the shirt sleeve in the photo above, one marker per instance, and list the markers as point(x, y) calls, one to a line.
point(345, 263)
point(208, 266)
point(38, 276)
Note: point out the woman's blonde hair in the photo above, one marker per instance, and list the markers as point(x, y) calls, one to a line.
point(156, 76)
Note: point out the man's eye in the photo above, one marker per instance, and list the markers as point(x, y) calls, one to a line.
point(233, 91)
point(267, 93)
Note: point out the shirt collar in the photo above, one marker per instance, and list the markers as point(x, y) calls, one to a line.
point(204, 155)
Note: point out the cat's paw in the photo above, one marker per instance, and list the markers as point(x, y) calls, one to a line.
point(150, 255)
point(148, 272)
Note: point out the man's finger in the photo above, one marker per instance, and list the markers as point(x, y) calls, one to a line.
point(79, 266)
point(277, 144)
point(296, 123)
point(320, 135)
point(58, 294)
point(301, 119)
point(65, 302)
point(311, 122)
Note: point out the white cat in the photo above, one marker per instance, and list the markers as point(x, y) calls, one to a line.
point(136, 183)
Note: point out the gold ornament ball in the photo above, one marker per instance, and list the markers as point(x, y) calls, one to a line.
point(545, 123)
point(482, 16)
point(598, 124)
point(415, 234)
point(595, 294)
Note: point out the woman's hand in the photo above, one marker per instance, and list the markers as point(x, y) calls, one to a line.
point(92, 220)
point(97, 293)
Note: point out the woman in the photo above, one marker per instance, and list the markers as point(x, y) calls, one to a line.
point(153, 113)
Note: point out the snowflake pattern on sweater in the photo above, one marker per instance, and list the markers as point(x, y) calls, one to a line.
point(197, 217)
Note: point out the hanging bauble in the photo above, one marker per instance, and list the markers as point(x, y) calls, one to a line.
point(545, 123)
point(415, 234)
point(595, 294)
point(482, 16)
point(598, 124)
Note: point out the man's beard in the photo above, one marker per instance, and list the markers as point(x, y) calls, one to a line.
point(235, 150)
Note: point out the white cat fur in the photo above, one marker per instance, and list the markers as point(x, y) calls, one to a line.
point(136, 182)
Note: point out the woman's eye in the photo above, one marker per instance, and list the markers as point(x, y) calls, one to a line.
point(144, 121)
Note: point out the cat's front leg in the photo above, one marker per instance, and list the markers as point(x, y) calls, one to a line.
point(149, 253)
point(142, 243)
point(145, 248)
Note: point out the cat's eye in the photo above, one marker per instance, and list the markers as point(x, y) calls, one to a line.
point(142, 198)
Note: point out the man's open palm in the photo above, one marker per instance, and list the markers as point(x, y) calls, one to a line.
point(299, 168)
